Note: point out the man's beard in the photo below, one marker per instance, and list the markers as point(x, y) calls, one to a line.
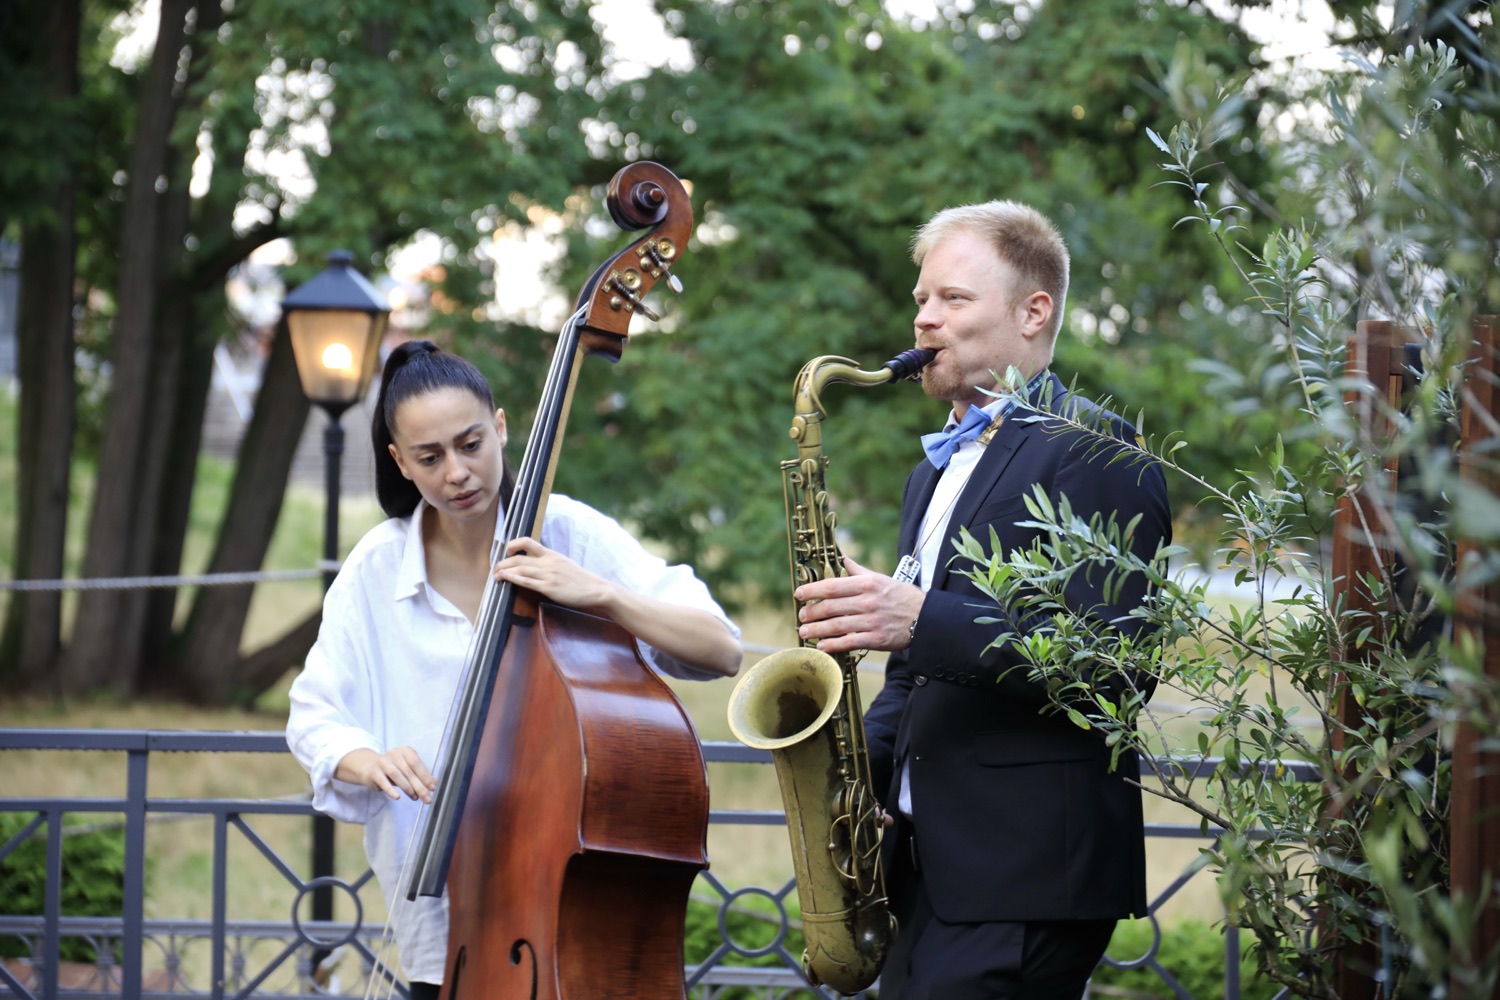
point(941, 385)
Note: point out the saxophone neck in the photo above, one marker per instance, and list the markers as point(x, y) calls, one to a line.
point(828, 369)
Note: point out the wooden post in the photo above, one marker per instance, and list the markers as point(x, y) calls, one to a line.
point(1377, 355)
point(1475, 817)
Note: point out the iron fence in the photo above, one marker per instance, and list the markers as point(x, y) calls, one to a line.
point(136, 955)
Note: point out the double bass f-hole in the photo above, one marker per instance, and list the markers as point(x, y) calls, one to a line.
point(571, 813)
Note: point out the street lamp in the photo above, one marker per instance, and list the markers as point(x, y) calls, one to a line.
point(336, 320)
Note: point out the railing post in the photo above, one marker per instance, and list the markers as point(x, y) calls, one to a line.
point(132, 938)
point(218, 937)
point(1475, 816)
point(52, 906)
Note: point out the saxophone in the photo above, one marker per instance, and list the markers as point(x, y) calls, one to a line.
point(804, 706)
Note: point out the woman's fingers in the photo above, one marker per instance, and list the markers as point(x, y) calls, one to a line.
point(402, 771)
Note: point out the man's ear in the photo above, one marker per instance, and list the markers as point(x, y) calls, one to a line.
point(1036, 313)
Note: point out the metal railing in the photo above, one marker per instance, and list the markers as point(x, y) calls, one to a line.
point(141, 956)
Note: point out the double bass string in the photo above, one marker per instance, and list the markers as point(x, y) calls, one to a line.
point(463, 707)
point(431, 860)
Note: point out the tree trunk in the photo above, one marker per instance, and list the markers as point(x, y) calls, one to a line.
point(199, 294)
point(209, 669)
point(181, 442)
point(105, 649)
point(31, 642)
point(261, 669)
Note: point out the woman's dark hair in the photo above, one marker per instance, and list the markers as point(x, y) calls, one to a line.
point(417, 368)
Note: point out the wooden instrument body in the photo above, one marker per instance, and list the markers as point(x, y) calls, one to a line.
point(609, 763)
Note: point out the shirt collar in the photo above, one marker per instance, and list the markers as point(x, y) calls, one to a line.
point(411, 578)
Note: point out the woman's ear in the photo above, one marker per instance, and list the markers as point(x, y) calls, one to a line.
point(500, 426)
point(396, 457)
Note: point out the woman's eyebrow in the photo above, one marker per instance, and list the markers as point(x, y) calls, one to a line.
point(457, 437)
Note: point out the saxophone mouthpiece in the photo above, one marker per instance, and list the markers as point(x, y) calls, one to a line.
point(909, 364)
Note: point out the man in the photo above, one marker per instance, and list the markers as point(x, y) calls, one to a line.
point(1013, 847)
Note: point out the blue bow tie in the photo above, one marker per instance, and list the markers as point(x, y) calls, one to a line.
point(940, 446)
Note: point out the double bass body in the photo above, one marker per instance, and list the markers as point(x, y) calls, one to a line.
point(597, 800)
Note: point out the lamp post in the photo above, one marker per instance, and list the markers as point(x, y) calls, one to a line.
point(336, 320)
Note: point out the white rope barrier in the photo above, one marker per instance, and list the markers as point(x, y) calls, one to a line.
point(202, 580)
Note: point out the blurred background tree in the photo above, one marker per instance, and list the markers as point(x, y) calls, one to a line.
point(154, 147)
point(156, 155)
point(816, 137)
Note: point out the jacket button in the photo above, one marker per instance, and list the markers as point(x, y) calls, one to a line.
point(921, 679)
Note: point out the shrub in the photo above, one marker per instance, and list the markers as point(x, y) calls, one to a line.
point(93, 879)
point(749, 924)
point(1349, 872)
point(1192, 953)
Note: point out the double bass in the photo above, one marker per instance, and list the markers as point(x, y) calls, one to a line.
point(571, 815)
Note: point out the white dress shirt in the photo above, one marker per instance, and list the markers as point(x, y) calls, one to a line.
point(389, 657)
point(932, 536)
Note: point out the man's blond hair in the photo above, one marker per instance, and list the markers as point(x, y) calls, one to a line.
point(1022, 237)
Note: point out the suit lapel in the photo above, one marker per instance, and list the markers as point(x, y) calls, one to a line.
point(918, 495)
point(984, 478)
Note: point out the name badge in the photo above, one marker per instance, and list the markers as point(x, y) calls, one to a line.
point(908, 570)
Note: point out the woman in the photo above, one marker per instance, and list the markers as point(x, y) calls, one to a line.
point(369, 708)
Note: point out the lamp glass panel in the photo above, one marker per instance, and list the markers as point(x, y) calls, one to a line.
point(333, 350)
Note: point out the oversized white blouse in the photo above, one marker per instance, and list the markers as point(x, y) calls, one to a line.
point(389, 656)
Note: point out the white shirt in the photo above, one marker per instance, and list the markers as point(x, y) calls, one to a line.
point(933, 534)
point(389, 657)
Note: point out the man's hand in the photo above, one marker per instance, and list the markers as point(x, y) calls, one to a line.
point(400, 770)
point(864, 610)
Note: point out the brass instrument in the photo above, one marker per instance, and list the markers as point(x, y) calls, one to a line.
point(804, 706)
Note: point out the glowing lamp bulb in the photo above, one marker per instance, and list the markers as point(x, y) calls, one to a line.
point(338, 357)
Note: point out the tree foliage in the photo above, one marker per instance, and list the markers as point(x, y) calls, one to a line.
point(816, 137)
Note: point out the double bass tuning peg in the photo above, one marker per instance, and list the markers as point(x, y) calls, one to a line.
point(656, 256)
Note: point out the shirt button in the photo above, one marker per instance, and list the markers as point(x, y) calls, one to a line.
point(921, 679)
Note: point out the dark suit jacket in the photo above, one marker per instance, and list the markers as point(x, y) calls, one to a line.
point(1017, 814)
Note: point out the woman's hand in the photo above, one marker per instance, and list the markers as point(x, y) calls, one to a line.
point(530, 564)
point(400, 770)
point(689, 635)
